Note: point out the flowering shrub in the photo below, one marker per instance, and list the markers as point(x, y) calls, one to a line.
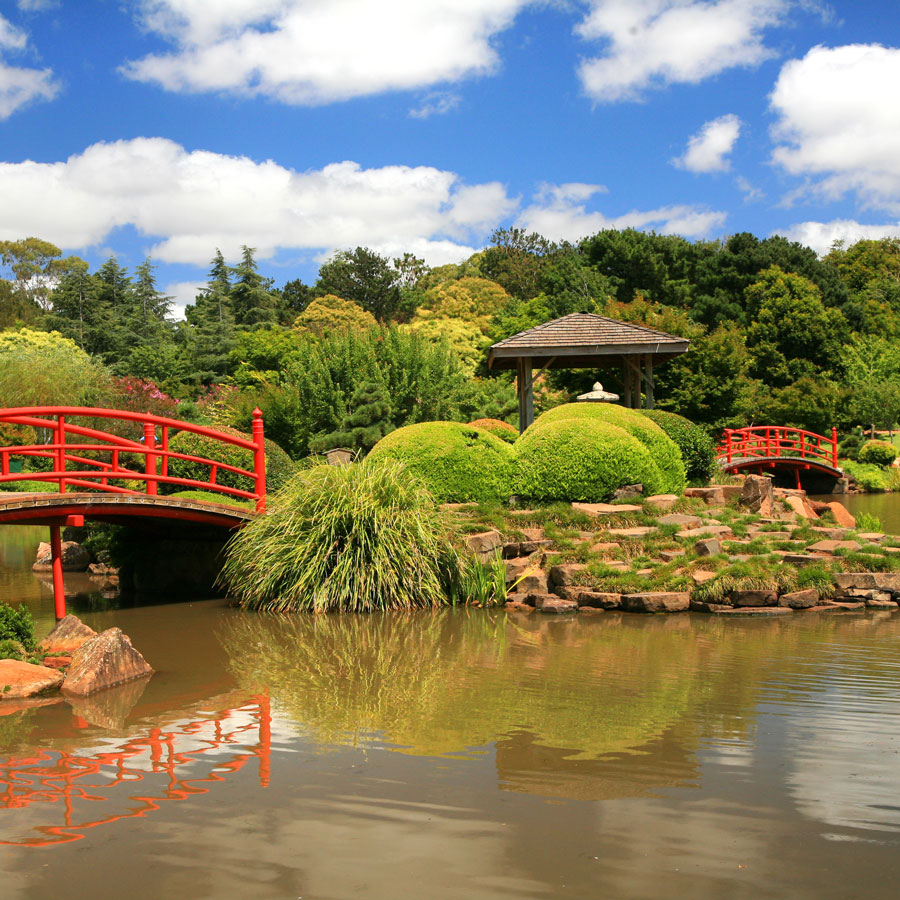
point(141, 396)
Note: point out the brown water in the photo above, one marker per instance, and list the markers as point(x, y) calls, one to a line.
point(885, 506)
point(461, 754)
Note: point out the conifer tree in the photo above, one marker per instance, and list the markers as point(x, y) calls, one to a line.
point(252, 302)
point(366, 423)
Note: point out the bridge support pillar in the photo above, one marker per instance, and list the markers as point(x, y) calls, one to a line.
point(59, 591)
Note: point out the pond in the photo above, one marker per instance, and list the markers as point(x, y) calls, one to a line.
point(885, 506)
point(463, 753)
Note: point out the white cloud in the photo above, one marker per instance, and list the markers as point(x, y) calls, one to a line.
point(707, 150)
point(651, 43)
point(839, 121)
point(308, 52)
point(822, 235)
point(19, 86)
point(437, 104)
point(193, 202)
point(37, 5)
point(182, 293)
point(750, 192)
point(560, 213)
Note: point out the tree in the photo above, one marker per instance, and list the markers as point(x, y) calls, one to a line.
point(292, 299)
point(35, 266)
point(363, 276)
point(514, 261)
point(330, 313)
point(252, 302)
point(209, 333)
point(367, 421)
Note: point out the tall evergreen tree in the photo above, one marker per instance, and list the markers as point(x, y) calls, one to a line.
point(252, 301)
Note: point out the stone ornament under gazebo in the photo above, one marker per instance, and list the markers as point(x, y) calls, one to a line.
point(586, 341)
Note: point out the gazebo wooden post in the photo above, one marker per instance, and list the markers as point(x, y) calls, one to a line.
point(626, 382)
point(524, 389)
point(648, 380)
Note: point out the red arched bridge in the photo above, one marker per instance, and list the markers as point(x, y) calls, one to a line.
point(113, 465)
point(778, 448)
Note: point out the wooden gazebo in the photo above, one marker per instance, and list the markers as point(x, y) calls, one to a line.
point(586, 341)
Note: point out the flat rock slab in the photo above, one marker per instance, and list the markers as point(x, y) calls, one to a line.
point(597, 600)
point(669, 555)
point(485, 544)
point(872, 537)
point(638, 531)
point(681, 520)
point(867, 581)
point(753, 598)
point(535, 582)
point(610, 547)
point(551, 603)
point(774, 535)
point(68, 635)
point(19, 680)
point(104, 661)
point(841, 515)
point(564, 574)
point(657, 602)
point(831, 534)
point(836, 607)
point(804, 559)
point(706, 531)
point(606, 509)
point(831, 546)
point(701, 576)
point(713, 496)
point(799, 599)
point(661, 502)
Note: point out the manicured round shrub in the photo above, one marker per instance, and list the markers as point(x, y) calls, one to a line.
point(698, 449)
point(361, 537)
point(582, 459)
point(878, 453)
point(664, 451)
point(456, 462)
point(498, 428)
point(279, 466)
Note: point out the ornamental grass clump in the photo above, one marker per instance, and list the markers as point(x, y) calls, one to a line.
point(354, 538)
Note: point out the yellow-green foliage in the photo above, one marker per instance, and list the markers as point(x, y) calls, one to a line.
point(877, 453)
point(464, 338)
point(663, 449)
point(330, 313)
point(498, 428)
point(457, 462)
point(582, 459)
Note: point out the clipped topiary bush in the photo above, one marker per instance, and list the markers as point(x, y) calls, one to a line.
point(457, 462)
point(877, 453)
point(279, 466)
point(582, 459)
point(498, 428)
point(664, 451)
point(697, 448)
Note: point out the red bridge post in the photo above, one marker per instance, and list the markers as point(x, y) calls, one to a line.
point(59, 591)
point(834, 447)
point(259, 459)
point(150, 464)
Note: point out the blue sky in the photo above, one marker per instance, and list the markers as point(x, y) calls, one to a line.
point(173, 127)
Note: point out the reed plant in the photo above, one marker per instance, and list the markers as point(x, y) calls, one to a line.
point(362, 537)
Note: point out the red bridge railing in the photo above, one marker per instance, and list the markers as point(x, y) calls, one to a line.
point(85, 457)
point(773, 442)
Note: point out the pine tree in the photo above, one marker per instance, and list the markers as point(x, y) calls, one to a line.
point(251, 300)
point(366, 422)
point(209, 335)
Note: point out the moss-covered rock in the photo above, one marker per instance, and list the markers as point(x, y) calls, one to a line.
point(582, 459)
point(698, 449)
point(457, 462)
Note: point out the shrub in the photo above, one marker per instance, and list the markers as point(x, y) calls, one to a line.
point(698, 450)
point(583, 460)
point(279, 466)
point(498, 428)
point(10, 649)
point(872, 479)
point(456, 462)
point(877, 453)
point(361, 537)
point(664, 451)
point(16, 625)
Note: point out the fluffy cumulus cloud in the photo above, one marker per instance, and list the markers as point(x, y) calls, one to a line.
point(308, 52)
point(651, 43)
point(560, 212)
point(193, 202)
point(708, 150)
point(20, 86)
point(839, 122)
point(821, 236)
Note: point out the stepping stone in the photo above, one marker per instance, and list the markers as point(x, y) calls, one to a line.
point(707, 547)
point(872, 537)
point(831, 546)
point(595, 510)
point(831, 534)
point(712, 496)
point(657, 602)
point(753, 598)
point(597, 600)
point(799, 599)
point(661, 502)
point(706, 531)
point(774, 535)
point(639, 531)
point(669, 555)
point(680, 519)
point(701, 576)
point(609, 547)
point(804, 559)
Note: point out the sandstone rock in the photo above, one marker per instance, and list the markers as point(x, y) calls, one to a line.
point(606, 547)
point(510, 550)
point(661, 502)
point(883, 601)
point(774, 535)
point(635, 532)
point(657, 601)
point(753, 598)
point(644, 572)
point(669, 555)
point(881, 581)
point(703, 606)
point(617, 564)
point(74, 558)
point(831, 546)
point(518, 606)
point(872, 537)
point(555, 605)
point(800, 506)
point(595, 510)
point(454, 506)
point(680, 519)
point(597, 599)
point(99, 568)
point(803, 559)
point(516, 568)
point(21, 679)
point(564, 575)
point(831, 534)
point(731, 491)
point(757, 495)
point(106, 660)
point(532, 534)
point(535, 582)
point(842, 515)
point(799, 599)
point(701, 576)
point(706, 531)
point(590, 611)
point(485, 544)
point(707, 547)
point(57, 662)
point(713, 496)
point(532, 546)
point(628, 492)
point(70, 633)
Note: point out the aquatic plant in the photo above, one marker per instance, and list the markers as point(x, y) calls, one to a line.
point(867, 521)
point(361, 537)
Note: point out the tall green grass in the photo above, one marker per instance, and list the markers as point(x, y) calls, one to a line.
point(362, 537)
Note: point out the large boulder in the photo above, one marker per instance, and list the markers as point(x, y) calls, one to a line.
point(757, 495)
point(657, 601)
point(104, 661)
point(74, 557)
point(70, 633)
point(21, 679)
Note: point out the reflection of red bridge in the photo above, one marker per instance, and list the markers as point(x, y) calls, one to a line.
point(72, 782)
point(778, 448)
point(115, 473)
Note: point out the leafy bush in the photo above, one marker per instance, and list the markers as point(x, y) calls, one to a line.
point(498, 428)
point(582, 459)
point(10, 649)
point(873, 479)
point(457, 462)
point(868, 522)
point(279, 466)
point(664, 451)
point(877, 453)
point(849, 445)
point(698, 450)
point(358, 538)
point(16, 625)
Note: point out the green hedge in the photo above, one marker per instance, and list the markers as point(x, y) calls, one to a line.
point(457, 462)
point(279, 466)
point(877, 453)
point(698, 449)
point(498, 428)
point(663, 450)
point(582, 459)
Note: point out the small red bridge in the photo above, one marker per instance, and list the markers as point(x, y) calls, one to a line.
point(110, 464)
point(778, 448)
